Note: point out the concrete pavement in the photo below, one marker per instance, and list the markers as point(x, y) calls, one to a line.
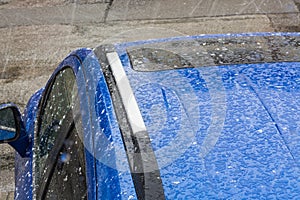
point(124, 10)
point(171, 9)
point(66, 14)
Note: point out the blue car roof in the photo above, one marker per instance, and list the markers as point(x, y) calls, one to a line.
point(222, 131)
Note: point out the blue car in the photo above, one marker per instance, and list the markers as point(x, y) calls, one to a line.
point(197, 117)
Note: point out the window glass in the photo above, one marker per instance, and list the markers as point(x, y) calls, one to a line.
point(69, 173)
point(214, 51)
point(54, 113)
point(60, 160)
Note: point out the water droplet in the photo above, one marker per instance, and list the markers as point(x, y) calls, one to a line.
point(176, 182)
point(260, 130)
point(65, 157)
point(130, 197)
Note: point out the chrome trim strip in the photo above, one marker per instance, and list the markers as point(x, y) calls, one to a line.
point(143, 164)
point(130, 104)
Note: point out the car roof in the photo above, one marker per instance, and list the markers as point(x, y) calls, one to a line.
point(218, 131)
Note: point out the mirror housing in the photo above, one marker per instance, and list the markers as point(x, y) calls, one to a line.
point(12, 129)
point(9, 124)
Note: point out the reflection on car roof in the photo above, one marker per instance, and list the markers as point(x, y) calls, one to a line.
point(214, 51)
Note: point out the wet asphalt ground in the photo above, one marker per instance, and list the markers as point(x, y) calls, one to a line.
point(35, 35)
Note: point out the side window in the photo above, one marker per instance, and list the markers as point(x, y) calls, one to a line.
point(60, 158)
point(68, 180)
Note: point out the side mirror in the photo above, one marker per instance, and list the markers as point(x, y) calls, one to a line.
point(10, 119)
point(12, 129)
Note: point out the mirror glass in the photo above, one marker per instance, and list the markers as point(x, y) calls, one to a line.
point(7, 124)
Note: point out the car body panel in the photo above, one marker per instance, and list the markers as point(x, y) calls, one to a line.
point(87, 70)
point(222, 131)
point(112, 170)
point(228, 131)
point(24, 166)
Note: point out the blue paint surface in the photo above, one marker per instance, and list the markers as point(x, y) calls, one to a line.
point(24, 166)
point(226, 132)
point(104, 139)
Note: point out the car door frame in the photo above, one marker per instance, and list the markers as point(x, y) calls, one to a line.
point(25, 176)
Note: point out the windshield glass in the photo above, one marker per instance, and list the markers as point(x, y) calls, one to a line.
point(214, 51)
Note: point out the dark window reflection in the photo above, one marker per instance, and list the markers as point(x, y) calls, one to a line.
point(60, 158)
point(214, 51)
point(68, 180)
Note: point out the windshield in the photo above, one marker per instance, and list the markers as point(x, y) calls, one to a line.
point(214, 51)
